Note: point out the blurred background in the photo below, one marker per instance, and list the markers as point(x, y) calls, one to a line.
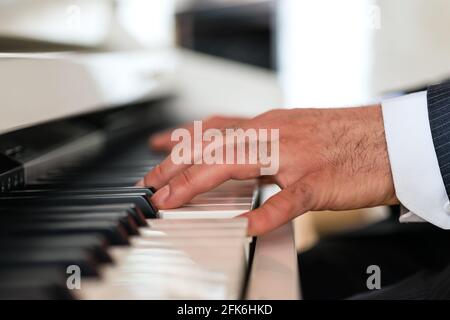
point(243, 57)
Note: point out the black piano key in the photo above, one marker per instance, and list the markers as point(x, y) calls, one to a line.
point(141, 202)
point(36, 283)
point(100, 174)
point(84, 184)
point(62, 258)
point(97, 245)
point(50, 223)
point(107, 168)
point(123, 218)
point(130, 179)
point(129, 208)
point(35, 290)
point(126, 181)
point(104, 167)
point(144, 192)
point(114, 232)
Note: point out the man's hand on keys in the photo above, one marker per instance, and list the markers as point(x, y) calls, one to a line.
point(329, 159)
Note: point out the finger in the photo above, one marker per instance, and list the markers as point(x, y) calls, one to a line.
point(198, 179)
point(168, 168)
point(162, 141)
point(162, 173)
point(290, 202)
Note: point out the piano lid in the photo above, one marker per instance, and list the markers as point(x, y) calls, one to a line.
point(81, 22)
point(37, 87)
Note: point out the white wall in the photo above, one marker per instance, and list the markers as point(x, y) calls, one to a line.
point(145, 23)
point(149, 22)
point(331, 53)
point(83, 22)
point(413, 44)
point(324, 51)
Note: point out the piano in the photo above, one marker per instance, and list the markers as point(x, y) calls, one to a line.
point(73, 143)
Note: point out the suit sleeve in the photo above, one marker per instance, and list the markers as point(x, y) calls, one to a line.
point(438, 98)
point(417, 128)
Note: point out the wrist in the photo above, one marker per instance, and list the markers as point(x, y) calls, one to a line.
point(358, 164)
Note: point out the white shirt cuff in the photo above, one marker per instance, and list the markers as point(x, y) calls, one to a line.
point(415, 169)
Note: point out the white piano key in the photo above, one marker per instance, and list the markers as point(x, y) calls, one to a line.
point(181, 242)
point(225, 211)
point(147, 233)
point(155, 287)
point(159, 224)
point(168, 272)
point(219, 201)
point(194, 252)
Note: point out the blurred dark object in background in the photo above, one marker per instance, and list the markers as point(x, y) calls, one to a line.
point(238, 30)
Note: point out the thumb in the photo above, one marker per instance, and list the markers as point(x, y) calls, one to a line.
point(290, 202)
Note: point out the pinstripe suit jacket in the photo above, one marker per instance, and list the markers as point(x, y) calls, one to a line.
point(438, 97)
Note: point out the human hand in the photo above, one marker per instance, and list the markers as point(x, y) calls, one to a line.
point(329, 159)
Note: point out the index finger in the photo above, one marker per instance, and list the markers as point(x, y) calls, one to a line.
point(162, 173)
point(198, 179)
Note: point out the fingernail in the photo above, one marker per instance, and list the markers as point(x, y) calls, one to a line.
point(140, 183)
point(161, 196)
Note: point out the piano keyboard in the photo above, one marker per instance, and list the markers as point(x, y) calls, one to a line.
point(89, 214)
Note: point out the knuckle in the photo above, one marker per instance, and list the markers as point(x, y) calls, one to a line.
point(282, 181)
point(284, 204)
point(147, 179)
point(286, 178)
point(186, 178)
point(158, 173)
point(305, 194)
point(261, 221)
point(240, 175)
point(214, 117)
point(283, 139)
point(277, 110)
point(271, 112)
